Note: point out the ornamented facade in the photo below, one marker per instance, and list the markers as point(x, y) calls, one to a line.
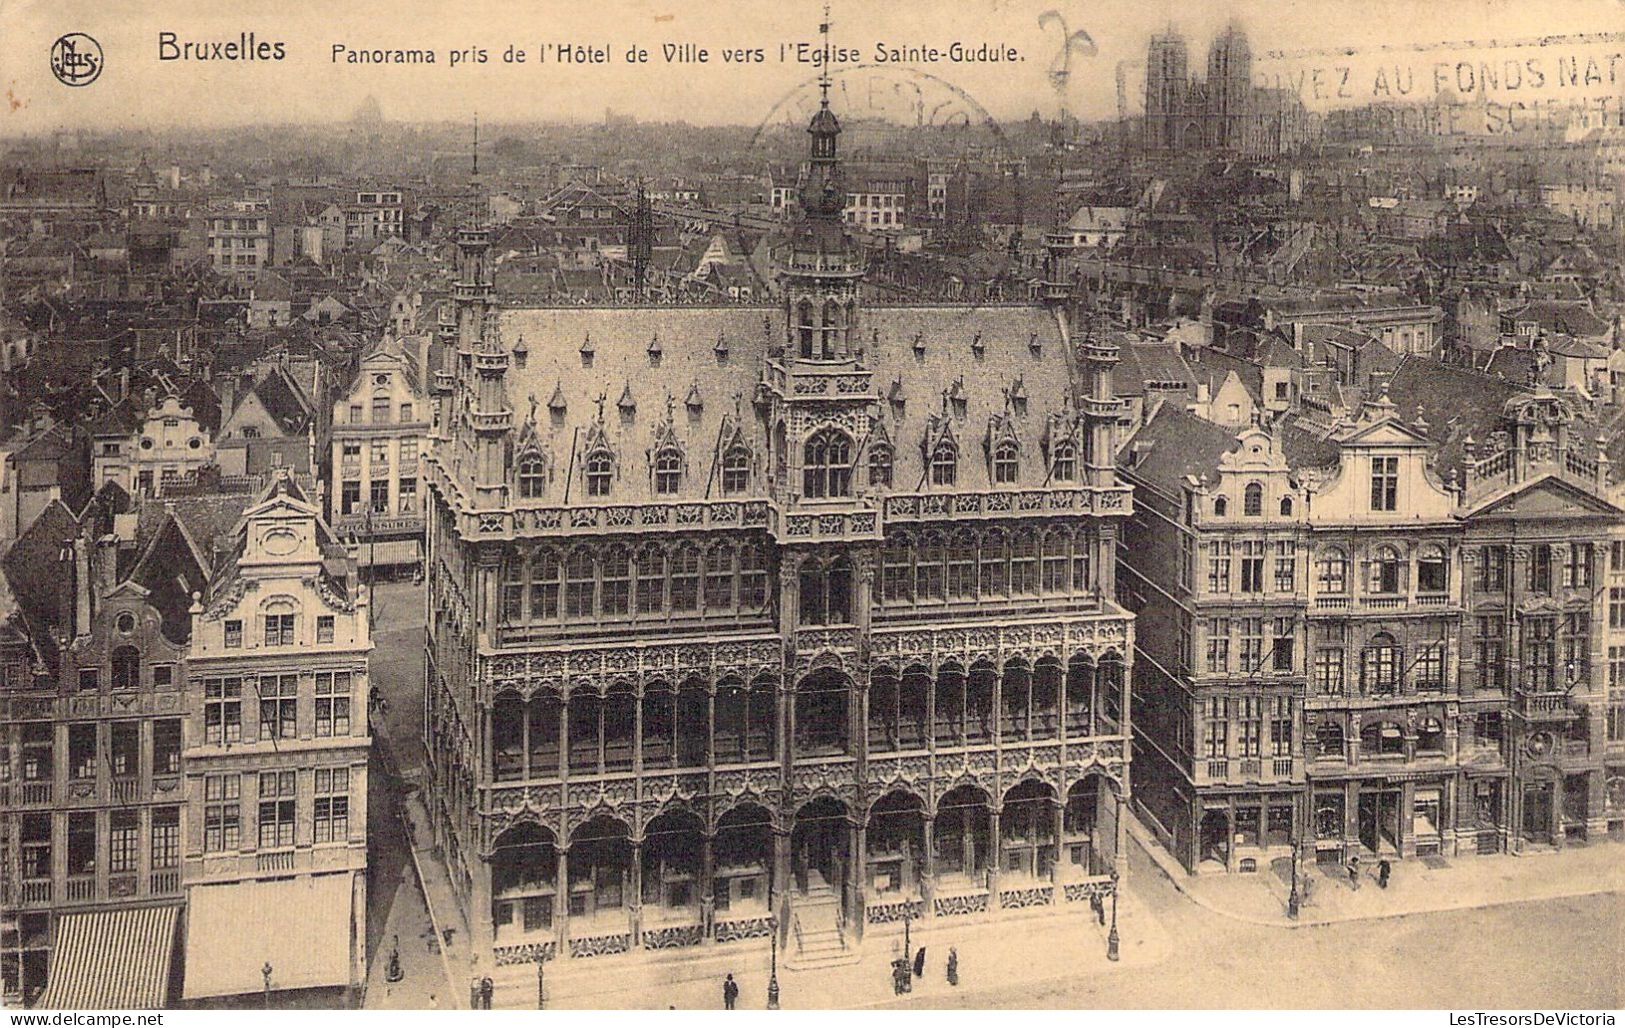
point(749, 616)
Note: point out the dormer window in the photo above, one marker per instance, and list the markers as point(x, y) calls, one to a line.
point(532, 479)
point(735, 471)
point(880, 466)
point(1006, 464)
point(944, 464)
point(668, 472)
point(1065, 466)
point(600, 468)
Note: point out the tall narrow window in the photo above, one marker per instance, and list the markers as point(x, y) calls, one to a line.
point(668, 472)
point(735, 471)
point(1252, 500)
point(880, 466)
point(1006, 463)
point(1064, 468)
point(944, 464)
point(1384, 483)
point(532, 479)
point(826, 467)
point(599, 470)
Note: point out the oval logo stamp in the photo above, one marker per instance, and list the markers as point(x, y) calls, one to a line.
point(76, 59)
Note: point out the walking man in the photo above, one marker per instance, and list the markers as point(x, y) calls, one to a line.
point(730, 993)
point(1354, 871)
point(1384, 869)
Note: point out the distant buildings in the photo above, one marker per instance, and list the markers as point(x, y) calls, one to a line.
point(1223, 112)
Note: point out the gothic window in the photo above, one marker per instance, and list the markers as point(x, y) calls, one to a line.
point(685, 579)
point(928, 568)
point(827, 465)
point(735, 471)
point(668, 472)
point(962, 567)
point(1082, 550)
point(1006, 463)
point(599, 469)
point(545, 571)
point(719, 577)
point(944, 464)
point(753, 577)
point(532, 478)
point(1252, 500)
point(805, 328)
point(897, 572)
point(1065, 466)
point(651, 580)
point(880, 465)
point(1055, 562)
point(578, 584)
point(826, 592)
point(616, 590)
point(995, 578)
point(832, 329)
point(1024, 563)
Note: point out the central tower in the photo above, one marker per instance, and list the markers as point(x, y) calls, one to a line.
point(820, 267)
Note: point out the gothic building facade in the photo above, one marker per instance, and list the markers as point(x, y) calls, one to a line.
point(1225, 111)
point(795, 617)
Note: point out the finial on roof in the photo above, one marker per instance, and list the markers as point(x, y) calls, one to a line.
point(823, 74)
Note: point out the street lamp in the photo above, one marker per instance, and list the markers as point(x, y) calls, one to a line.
point(773, 970)
point(908, 945)
point(1294, 899)
point(541, 994)
point(265, 972)
point(1111, 937)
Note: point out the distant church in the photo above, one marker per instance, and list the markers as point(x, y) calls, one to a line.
point(1226, 112)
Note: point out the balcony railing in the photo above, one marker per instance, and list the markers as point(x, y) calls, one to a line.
point(165, 882)
point(126, 790)
point(37, 891)
point(34, 793)
point(81, 889)
point(1554, 706)
point(275, 860)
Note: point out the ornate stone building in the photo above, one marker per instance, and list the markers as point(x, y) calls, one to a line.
point(752, 615)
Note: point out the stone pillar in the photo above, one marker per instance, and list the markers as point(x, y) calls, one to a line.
point(1060, 842)
point(524, 736)
point(488, 763)
point(634, 906)
point(708, 895)
point(564, 733)
point(1120, 843)
point(857, 871)
point(995, 845)
point(928, 867)
point(781, 882)
point(479, 917)
point(561, 903)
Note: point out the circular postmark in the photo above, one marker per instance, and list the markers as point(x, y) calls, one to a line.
point(76, 59)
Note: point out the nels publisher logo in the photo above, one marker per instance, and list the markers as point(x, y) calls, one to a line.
point(76, 59)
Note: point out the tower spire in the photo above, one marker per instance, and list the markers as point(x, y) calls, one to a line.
point(823, 73)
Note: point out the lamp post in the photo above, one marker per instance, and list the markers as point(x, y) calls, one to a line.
point(908, 944)
point(1294, 899)
point(265, 972)
point(773, 968)
point(541, 994)
point(1111, 937)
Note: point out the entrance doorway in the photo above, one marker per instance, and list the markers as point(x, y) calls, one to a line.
point(1215, 838)
point(1537, 812)
point(818, 846)
point(1379, 821)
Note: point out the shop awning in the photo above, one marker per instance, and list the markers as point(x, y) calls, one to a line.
point(389, 551)
point(300, 926)
point(111, 960)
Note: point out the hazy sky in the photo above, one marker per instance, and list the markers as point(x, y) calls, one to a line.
point(137, 89)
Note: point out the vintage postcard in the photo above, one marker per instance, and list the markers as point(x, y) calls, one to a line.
point(752, 506)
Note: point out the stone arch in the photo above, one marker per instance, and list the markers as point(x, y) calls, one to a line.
point(523, 865)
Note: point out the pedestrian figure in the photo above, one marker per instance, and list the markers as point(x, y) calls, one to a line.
point(1384, 869)
point(1354, 871)
point(919, 963)
point(953, 966)
point(1098, 905)
point(730, 992)
point(900, 980)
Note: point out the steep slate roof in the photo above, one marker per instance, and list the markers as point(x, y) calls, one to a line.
point(1172, 445)
point(1568, 317)
point(1453, 401)
point(688, 340)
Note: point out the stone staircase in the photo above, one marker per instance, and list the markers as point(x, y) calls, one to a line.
point(818, 937)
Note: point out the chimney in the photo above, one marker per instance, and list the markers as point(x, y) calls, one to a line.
point(82, 586)
point(105, 573)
